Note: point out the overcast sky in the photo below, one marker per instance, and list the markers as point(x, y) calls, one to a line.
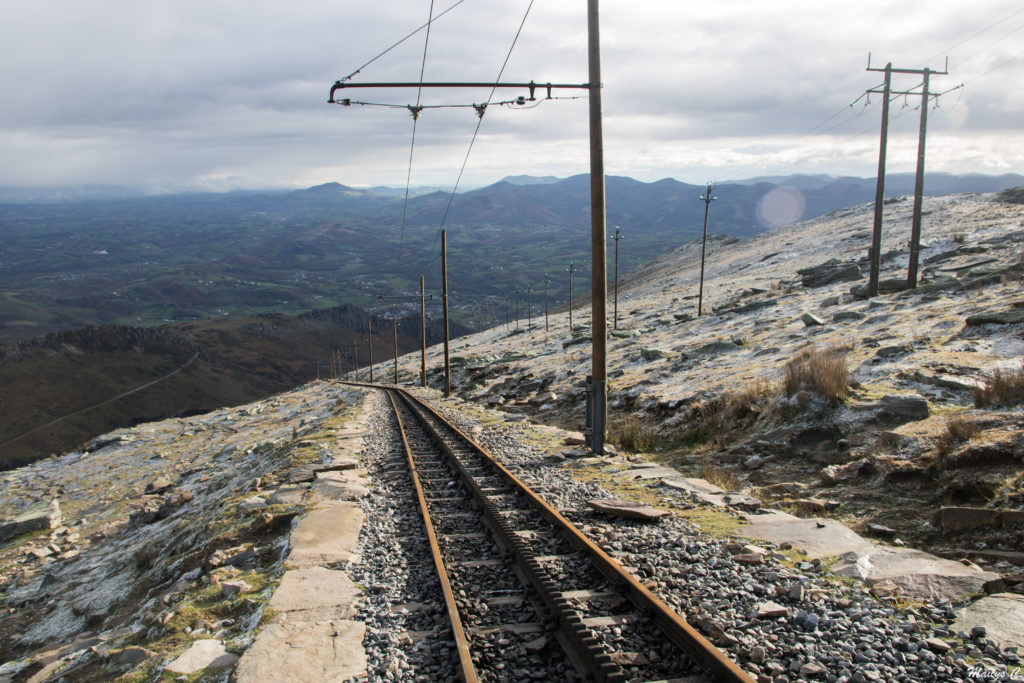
point(185, 95)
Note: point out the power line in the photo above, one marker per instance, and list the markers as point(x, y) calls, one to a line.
point(407, 37)
point(412, 145)
point(971, 37)
point(480, 119)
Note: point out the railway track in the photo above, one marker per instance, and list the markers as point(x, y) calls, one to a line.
point(524, 589)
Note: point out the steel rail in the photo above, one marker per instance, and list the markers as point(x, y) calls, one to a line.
point(466, 668)
point(682, 634)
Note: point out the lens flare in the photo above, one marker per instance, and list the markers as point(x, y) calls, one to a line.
point(781, 206)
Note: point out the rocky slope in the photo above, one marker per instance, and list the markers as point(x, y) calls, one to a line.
point(708, 394)
point(154, 536)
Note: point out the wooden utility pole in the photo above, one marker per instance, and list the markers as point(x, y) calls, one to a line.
point(598, 243)
point(369, 344)
point(444, 304)
point(875, 255)
point(546, 281)
point(394, 328)
point(529, 309)
point(517, 307)
point(707, 197)
point(915, 225)
point(617, 237)
point(423, 334)
point(506, 313)
point(572, 269)
point(355, 356)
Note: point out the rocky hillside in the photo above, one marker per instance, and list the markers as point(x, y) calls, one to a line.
point(793, 385)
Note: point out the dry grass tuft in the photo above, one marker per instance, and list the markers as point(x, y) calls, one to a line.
point(721, 477)
point(821, 371)
point(632, 434)
point(958, 430)
point(1002, 389)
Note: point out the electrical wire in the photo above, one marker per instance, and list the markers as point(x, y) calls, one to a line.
point(412, 144)
point(973, 36)
point(424, 26)
point(480, 121)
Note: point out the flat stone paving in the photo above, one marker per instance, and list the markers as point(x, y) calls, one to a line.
point(313, 637)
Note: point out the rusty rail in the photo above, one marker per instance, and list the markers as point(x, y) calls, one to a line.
point(675, 627)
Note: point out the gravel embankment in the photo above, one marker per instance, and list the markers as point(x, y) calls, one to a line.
point(829, 631)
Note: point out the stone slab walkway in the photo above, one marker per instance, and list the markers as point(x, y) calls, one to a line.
point(313, 636)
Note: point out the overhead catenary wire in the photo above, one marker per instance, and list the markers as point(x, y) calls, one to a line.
point(412, 144)
point(480, 120)
point(407, 37)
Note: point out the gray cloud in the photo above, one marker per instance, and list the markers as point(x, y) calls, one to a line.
point(179, 95)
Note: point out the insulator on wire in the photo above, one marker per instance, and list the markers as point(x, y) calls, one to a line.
point(480, 109)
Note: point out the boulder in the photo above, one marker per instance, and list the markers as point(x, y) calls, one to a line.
point(811, 320)
point(1010, 317)
point(833, 474)
point(542, 398)
point(915, 573)
point(753, 462)
point(1002, 616)
point(886, 286)
point(828, 273)
point(35, 517)
point(840, 316)
point(627, 509)
point(624, 334)
point(905, 406)
point(650, 354)
point(159, 485)
point(716, 347)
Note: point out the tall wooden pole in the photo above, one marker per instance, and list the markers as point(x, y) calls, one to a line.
point(423, 334)
point(598, 244)
point(572, 269)
point(355, 356)
point(615, 318)
point(708, 198)
point(395, 331)
point(444, 304)
point(517, 307)
point(546, 281)
point(529, 309)
point(369, 344)
point(915, 225)
point(875, 255)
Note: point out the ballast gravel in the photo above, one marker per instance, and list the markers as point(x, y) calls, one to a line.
point(825, 630)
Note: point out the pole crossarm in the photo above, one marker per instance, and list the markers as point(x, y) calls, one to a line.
point(532, 86)
point(911, 71)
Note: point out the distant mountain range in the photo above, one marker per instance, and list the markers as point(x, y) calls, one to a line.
point(173, 258)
